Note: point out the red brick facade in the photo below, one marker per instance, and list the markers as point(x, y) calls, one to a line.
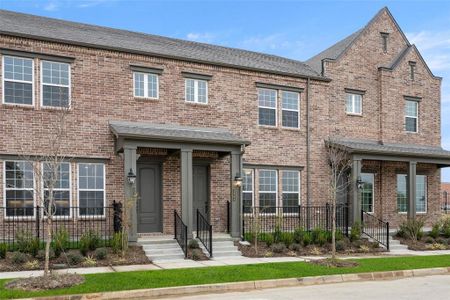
point(102, 90)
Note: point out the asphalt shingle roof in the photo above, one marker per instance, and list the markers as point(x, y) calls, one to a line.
point(374, 147)
point(19, 24)
point(175, 133)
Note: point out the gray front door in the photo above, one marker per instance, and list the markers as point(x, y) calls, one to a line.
point(201, 192)
point(149, 201)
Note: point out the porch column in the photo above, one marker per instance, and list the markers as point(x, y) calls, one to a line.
point(411, 189)
point(356, 193)
point(129, 162)
point(236, 195)
point(187, 208)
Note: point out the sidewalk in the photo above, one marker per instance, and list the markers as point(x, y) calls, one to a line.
point(210, 263)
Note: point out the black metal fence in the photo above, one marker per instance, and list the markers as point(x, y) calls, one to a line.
point(375, 228)
point(228, 216)
point(180, 232)
point(24, 224)
point(287, 219)
point(204, 232)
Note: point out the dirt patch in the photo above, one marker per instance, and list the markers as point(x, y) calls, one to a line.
point(335, 263)
point(73, 259)
point(40, 283)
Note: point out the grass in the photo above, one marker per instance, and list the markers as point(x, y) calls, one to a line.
point(179, 277)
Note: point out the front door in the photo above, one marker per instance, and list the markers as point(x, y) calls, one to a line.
point(201, 192)
point(149, 201)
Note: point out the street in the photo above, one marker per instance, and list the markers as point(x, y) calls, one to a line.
point(429, 287)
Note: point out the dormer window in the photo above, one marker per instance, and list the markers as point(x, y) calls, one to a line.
point(412, 69)
point(384, 40)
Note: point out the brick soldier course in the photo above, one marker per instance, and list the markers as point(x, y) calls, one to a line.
point(102, 62)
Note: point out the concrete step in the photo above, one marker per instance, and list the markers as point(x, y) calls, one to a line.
point(221, 254)
point(161, 246)
point(155, 241)
point(163, 251)
point(158, 257)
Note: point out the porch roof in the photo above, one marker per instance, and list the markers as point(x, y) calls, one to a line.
point(372, 149)
point(174, 133)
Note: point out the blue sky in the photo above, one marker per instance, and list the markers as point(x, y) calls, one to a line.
point(295, 29)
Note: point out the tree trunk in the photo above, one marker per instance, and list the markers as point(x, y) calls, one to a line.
point(333, 233)
point(47, 247)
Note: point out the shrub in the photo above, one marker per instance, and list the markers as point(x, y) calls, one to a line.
point(18, 258)
point(193, 244)
point(3, 250)
point(355, 232)
point(446, 227)
point(32, 265)
point(307, 239)
point(295, 247)
point(364, 248)
point(26, 243)
point(60, 241)
point(436, 246)
point(74, 258)
point(116, 242)
point(316, 251)
point(357, 243)
point(319, 237)
point(89, 261)
point(339, 235)
point(435, 230)
point(267, 238)
point(341, 245)
point(41, 254)
point(287, 238)
point(298, 235)
point(89, 241)
point(412, 229)
point(278, 248)
point(277, 234)
point(101, 253)
point(429, 240)
point(441, 241)
point(196, 254)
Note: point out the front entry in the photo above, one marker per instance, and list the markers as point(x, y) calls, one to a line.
point(201, 192)
point(149, 206)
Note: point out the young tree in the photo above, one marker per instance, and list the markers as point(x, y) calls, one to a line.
point(340, 164)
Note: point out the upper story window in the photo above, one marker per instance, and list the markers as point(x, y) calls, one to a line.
point(353, 103)
point(196, 90)
point(411, 115)
point(412, 69)
point(18, 87)
point(91, 189)
point(59, 177)
point(267, 101)
point(55, 84)
point(19, 188)
point(290, 109)
point(146, 85)
point(384, 41)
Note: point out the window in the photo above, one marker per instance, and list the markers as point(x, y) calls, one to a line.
point(367, 192)
point(412, 69)
point(353, 104)
point(146, 85)
point(247, 191)
point(268, 182)
point(290, 191)
point(55, 89)
point(267, 101)
point(384, 38)
point(61, 189)
point(421, 193)
point(19, 188)
point(411, 110)
point(17, 80)
point(91, 189)
point(290, 108)
point(196, 90)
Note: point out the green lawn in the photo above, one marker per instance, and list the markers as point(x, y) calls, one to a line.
point(180, 277)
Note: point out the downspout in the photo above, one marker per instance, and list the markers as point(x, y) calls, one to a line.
point(308, 146)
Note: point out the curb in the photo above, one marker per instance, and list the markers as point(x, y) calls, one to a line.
point(250, 285)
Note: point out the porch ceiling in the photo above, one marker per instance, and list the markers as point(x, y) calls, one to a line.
point(174, 133)
point(368, 149)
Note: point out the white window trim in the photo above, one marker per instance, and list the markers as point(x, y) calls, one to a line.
point(52, 84)
point(19, 81)
point(353, 113)
point(28, 189)
point(296, 110)
point(275, 108)
point(79, 189)
point(290, 192)
point(196, 99)
point(252, 174)
point(426, 197)
point(413, 117)
point(146, 96)
point(59, 189)
point(373, 192)
point(269, 192)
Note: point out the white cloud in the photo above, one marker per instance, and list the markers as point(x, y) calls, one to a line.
point(434, 46)
point(204, 37)
point(91, 3)
point(51, 6)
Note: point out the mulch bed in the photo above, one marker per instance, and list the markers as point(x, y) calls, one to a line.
point(45, 283)
point(134, 256)
point(426, 243)
point(335, 263)
point(353, 249)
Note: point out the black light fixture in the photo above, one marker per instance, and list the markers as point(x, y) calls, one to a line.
point(238, 180)
point(131, 177)
point(359, 183)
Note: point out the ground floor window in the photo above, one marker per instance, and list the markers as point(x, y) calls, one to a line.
point(268, 180)
point(367, 192)
point(291, 191)
point(421, 193)
point(19, 188)
point(57, 175)
point(247, 190)
point(91, 189)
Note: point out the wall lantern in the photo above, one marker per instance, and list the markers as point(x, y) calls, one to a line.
point(359, 183)
point(237, 180)
point(131, 177)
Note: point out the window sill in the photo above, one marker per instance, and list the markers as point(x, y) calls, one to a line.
point(55, 108)
point(417, 213)
point(290, 128)
point(354, 115)
point(268, 127)
point(12, 105)
point(196, 103)
point(145, 98)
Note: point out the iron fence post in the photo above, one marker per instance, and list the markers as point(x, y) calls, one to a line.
point(185, 242)
point(210, 242)
point(175, 223)
point(38, 221)
point(327, 216)
point(197, 224)
point(387, 236)
point(346, 220)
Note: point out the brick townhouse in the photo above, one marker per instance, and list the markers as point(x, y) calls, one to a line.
point(194, 126)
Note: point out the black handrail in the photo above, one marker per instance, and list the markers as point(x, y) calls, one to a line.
point(375, 228)
point(228, 216)
point(180, 232)
point(204, 232)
